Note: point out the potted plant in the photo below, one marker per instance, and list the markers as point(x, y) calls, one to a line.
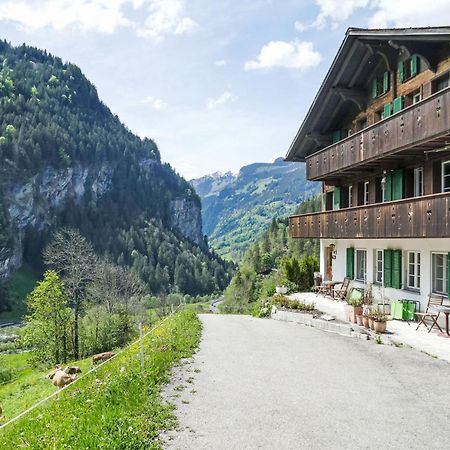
point(280, 288)
point(365, 316)
point(354, 305)
point(379, 321)
point(359, 319)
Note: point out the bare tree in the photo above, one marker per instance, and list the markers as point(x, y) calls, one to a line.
point(73, 258)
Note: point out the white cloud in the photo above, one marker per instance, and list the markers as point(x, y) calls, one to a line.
point(221, 63)
point(166, 17)
point(292, 55)
point(104, 16)
point(162, 17)
point(336, 11)
point(226, 97)
point(382, 13)
point(409, 13)
point(155, 103)
point(300, 26)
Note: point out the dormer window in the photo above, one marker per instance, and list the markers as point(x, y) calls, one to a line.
point(409, 68)
point(380, 85)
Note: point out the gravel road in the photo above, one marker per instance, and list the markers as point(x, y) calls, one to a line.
point(263, 384)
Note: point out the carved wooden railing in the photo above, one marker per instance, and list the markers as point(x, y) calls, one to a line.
point(414, 125)
point(420, 217)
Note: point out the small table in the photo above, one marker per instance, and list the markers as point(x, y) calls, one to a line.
point(446, 311)
point(329, 287)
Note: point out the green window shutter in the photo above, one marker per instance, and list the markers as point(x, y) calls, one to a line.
point(448, 275)
point(385, 82)
point(388, 187)
point(337, 197)
point(350, 273)
point(387, 263)
point(336, 136)
point(414, 65)
point(387, 110)
point(374, 88)
point(396, 278)
point(398, 104)
point(401, 71)
point(397, 184)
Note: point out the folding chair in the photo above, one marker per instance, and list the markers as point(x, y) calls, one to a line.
point(433, 300)
point(342, 292)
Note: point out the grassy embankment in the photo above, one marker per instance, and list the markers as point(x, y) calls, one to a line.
point(115, 407)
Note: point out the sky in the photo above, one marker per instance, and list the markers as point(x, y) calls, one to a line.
point(217, 84)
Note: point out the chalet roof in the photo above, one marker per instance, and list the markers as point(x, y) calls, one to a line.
point(350, 71)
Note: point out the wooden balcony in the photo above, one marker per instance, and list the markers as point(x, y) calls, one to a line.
point(420, 217)
point(420, 127)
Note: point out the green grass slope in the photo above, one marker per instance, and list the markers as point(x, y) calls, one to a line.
point(116, 407)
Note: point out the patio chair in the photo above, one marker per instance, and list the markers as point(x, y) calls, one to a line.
point(318, 283)
point(433, 300)
point(341, 293)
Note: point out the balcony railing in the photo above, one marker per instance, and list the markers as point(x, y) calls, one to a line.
point(419, 217)
point(416, 125)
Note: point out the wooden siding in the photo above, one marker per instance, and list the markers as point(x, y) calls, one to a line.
point(420, 217)
point(413, 126)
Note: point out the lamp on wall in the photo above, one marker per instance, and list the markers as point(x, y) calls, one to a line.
point(332, 247)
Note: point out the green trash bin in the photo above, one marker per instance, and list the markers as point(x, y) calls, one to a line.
point(408, 310)
point(397, 309)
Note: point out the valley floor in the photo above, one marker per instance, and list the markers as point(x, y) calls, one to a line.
point(257, 383)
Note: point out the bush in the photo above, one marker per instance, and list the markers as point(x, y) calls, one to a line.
point(6, 375)
point(285, 302)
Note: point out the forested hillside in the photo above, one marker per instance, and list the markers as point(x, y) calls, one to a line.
point(275, 259)
point(66, 160)
point(237, 209)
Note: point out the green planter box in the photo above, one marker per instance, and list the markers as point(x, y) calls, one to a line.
point(408, 310)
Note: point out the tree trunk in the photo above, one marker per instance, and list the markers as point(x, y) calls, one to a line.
point(76, 343)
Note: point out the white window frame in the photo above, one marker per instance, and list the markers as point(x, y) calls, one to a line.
point(366, 192)
point(413, 269)
point(417, 97)
point(364, 252)
point(443, 177)
point(418, 182)
point(350, 196)
point(379, 259)
point(444, 275)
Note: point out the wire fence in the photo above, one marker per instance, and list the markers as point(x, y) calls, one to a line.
point(94, 369)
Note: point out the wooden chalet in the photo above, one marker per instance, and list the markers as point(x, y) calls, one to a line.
point(378, 137)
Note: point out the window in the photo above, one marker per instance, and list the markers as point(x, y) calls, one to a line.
point(413, 270)
point(380, 85)
point(379, 266)
point(361, 265)
point(409, 68)
point(418, 181)
point(416, 97)
point(361, 124)
point(439, 273)
point(350, 196)
point(446, 176)
point(366, 192)
point(441, 82)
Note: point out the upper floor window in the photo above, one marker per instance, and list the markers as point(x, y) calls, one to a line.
point(380, 85)
point(413, 270)
point(441, 82)
point(418, 181)
point(409, 68)
point(366, 192)
point(446, 176)
point(350, 196)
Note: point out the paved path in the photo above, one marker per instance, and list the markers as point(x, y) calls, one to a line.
point(263, 384)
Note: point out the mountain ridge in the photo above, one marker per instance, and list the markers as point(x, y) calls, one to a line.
point(236, 209)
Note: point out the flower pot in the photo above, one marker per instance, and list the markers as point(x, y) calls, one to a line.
point(379, 327)
point(365, 320)
point(281, 289)
point(359, 319)
point(371, 325)
point(354, 311)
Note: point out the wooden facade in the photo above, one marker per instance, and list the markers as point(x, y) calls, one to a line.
point(419, 217)
point(378, 137)
point(413, 131)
